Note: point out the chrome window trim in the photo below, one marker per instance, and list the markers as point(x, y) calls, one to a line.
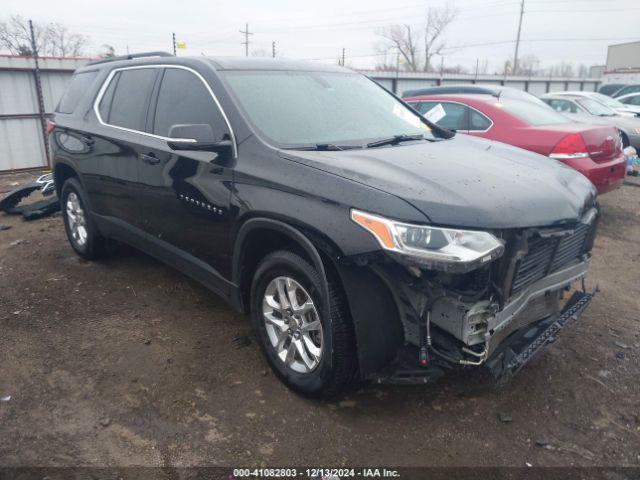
point(464, 105)
point(107, 81)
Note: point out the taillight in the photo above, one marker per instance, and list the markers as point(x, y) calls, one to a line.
point(50, 126)
point(571, 146)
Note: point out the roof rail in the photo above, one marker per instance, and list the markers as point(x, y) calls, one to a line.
point(131, 57)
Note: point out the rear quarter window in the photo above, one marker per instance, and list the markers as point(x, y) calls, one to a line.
point(78, 87)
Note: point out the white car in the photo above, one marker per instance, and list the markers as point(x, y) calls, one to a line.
point(631, 100)
point(622, 108)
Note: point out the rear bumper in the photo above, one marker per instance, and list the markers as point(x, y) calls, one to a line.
point(522, 346)
point(605, 176)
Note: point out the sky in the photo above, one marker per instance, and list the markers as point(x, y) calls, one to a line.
point(484, 30)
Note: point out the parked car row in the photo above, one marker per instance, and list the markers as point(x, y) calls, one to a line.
point(586, 130)
point(617, 90)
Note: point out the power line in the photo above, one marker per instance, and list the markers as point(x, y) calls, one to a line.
point(246, 39)
point(486, 44)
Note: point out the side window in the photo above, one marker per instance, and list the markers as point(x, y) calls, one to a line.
point(455, 115)
point(184, 99)
point(416, 105)
point(77, 88)
point(563, 106)
point(131, 98)
point(107, 98)
point(478, 122)
point(634, 100)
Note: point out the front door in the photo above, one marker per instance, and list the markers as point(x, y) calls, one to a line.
point(185, 196)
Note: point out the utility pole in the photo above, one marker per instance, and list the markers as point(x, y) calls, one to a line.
point(343, 56)
point(475, 80)
point(515, 56)
point(174, 44)
point(395, 84)
point(36, 73)
point(273, 49)
point(246, 42)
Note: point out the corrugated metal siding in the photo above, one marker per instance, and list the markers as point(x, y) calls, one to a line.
point(535, 85)
point(21, 144)
point(17, 93)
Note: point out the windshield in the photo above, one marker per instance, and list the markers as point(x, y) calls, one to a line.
point(596, 108)
point(531, 113)
point(300, 109)
point(608, 101)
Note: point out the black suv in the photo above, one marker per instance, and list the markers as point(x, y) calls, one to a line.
point(363, 241)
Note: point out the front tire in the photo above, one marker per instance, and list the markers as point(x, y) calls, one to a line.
point(311, 350)
point(81, 230)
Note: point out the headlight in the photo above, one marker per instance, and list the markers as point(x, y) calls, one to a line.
point(448, 249)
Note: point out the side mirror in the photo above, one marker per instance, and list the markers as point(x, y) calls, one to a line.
point(197, 137)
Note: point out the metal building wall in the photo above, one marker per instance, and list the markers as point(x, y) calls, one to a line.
point(21, 136)
point(403, 81)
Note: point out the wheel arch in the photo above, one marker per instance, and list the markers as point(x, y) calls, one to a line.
point(61, 172)
point(259, 236)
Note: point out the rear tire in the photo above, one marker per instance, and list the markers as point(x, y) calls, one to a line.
point(80, 227)
point(314, 352)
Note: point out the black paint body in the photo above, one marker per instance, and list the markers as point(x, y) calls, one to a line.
point(165, 207)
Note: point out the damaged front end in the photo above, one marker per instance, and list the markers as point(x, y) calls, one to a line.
point(498, 310)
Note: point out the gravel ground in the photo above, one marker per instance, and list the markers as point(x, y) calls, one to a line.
point(126, 362)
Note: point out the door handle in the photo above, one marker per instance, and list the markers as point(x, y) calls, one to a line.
point(150, 158)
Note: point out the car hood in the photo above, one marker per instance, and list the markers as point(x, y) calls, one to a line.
point(465, 181)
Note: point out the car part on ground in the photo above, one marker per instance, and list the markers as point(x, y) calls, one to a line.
point(11, 203)
point(355, 233)
point(592, 150)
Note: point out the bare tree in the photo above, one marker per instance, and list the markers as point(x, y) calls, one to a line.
point(404, 40)
point(438, 19)
point(417, 45)
point(51, 39)
point(108, 51)
point(61, 43)
point(528, 65)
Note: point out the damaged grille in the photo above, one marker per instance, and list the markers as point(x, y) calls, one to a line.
point(549, 254)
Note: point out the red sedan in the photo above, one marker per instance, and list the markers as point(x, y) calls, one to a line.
point(593, 150)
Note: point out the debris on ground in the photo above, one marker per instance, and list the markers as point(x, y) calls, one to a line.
point(4, 227)
point(242, 341)
point(5, 398)
point(622, 345)
point(105, 422)
point(505, 417)
point(16, 242)
point(50, 204)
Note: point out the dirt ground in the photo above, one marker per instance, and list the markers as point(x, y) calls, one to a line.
point(126, 362)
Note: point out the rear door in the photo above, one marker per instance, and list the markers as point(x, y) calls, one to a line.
point(123, 103)
point(185, 196)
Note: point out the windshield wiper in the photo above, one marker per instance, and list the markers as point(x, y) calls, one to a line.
point(325, 147)
point(395, 140)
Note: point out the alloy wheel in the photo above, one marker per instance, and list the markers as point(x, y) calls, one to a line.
point(77, 219)
point(293, 324)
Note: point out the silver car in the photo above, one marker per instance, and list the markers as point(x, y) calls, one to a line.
point(588, 110)
point(628, 110)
